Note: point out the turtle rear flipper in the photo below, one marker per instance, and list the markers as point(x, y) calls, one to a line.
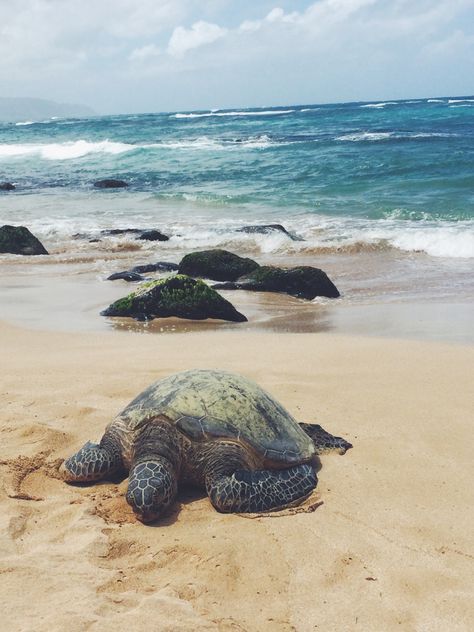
point(234, 487)
point(325, 441)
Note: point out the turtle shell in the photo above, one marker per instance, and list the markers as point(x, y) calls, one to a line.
point(209, 404)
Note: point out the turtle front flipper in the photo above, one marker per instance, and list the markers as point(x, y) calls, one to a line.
point(152, 488)
point(325, 441)
point(91, 463)
point(247, 491)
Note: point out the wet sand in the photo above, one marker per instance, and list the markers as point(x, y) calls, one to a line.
point(66, 292)
point(384, 543)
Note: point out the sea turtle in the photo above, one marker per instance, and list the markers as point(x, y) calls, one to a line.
point(213, 429)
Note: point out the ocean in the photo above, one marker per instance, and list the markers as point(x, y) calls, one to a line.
point(380, 195)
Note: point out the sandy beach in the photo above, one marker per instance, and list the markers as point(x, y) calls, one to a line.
point(384, 543)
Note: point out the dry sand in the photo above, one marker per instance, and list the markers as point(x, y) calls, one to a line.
point(390, 547)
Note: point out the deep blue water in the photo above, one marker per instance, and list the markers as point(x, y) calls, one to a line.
point(393, 162)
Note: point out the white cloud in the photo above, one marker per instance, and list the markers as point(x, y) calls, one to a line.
point(144, 53)
point(87, 50)
point(200, 34)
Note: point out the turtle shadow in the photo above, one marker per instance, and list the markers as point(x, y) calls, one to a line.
point(186, 496)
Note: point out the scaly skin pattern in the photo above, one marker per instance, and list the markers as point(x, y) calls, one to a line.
point(261, 490)
point(324, 441)
point(152, 488)
point(92, 462)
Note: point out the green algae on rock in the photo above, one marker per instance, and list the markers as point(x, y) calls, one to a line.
point(220, 265)
point(18, 240)
point(179, 296)
point(303, 282)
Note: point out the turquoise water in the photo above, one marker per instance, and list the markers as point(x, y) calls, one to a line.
point(400, 173)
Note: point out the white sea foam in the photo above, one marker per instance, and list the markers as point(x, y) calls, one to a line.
point(22, 123)
point(197, 226)
point(375, 136)
point(64, 151)
point(436, 101)
point(460, 100)
point(192, 115)
point(81, 148)
point(378, 105)
point(363, 136)
point(310, 110)
point(439, 241)
point(204, 142)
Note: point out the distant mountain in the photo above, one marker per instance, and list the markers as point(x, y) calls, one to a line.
point(26, 109)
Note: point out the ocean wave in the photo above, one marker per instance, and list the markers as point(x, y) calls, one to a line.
point(22, 123)
point(204, 142)
point(364, 136)
point(375, 136)
point(81, 148)
point(310, 110)
point(448, 242)
point(192, 115)
point(460, 100)
point(64, 151)
point(378, 105)
point(436, 101)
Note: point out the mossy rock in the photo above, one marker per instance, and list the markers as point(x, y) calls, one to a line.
point(220, 265)
point(303, 282)
point(18, 240)
point(178, 296)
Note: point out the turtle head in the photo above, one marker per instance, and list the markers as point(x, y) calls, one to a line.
point(151, 489)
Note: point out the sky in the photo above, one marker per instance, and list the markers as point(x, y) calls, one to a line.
point(121, 56)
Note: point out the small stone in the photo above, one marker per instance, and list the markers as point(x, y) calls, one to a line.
point(110, 183)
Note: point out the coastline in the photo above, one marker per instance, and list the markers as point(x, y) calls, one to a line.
point(382, 294)
point(388, 549)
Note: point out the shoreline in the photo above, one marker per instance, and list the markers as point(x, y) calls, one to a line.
point(388, 548)
point(67, 289)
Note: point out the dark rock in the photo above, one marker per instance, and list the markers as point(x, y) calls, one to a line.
point(19, 241)
point(161, 266)
point(302, 282)
point(111, 232)
point(7, 186)
point(141, 233)
point(110, 183)
point(265, 229)
point(126, 275)
point(153, 235)
point(178, 296)
point(220, 265)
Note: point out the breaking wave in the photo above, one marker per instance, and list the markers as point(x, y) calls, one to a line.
point(64, 151)
point(80, 148)
point(378, 105)
point(375, 136)
point(193, 115)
